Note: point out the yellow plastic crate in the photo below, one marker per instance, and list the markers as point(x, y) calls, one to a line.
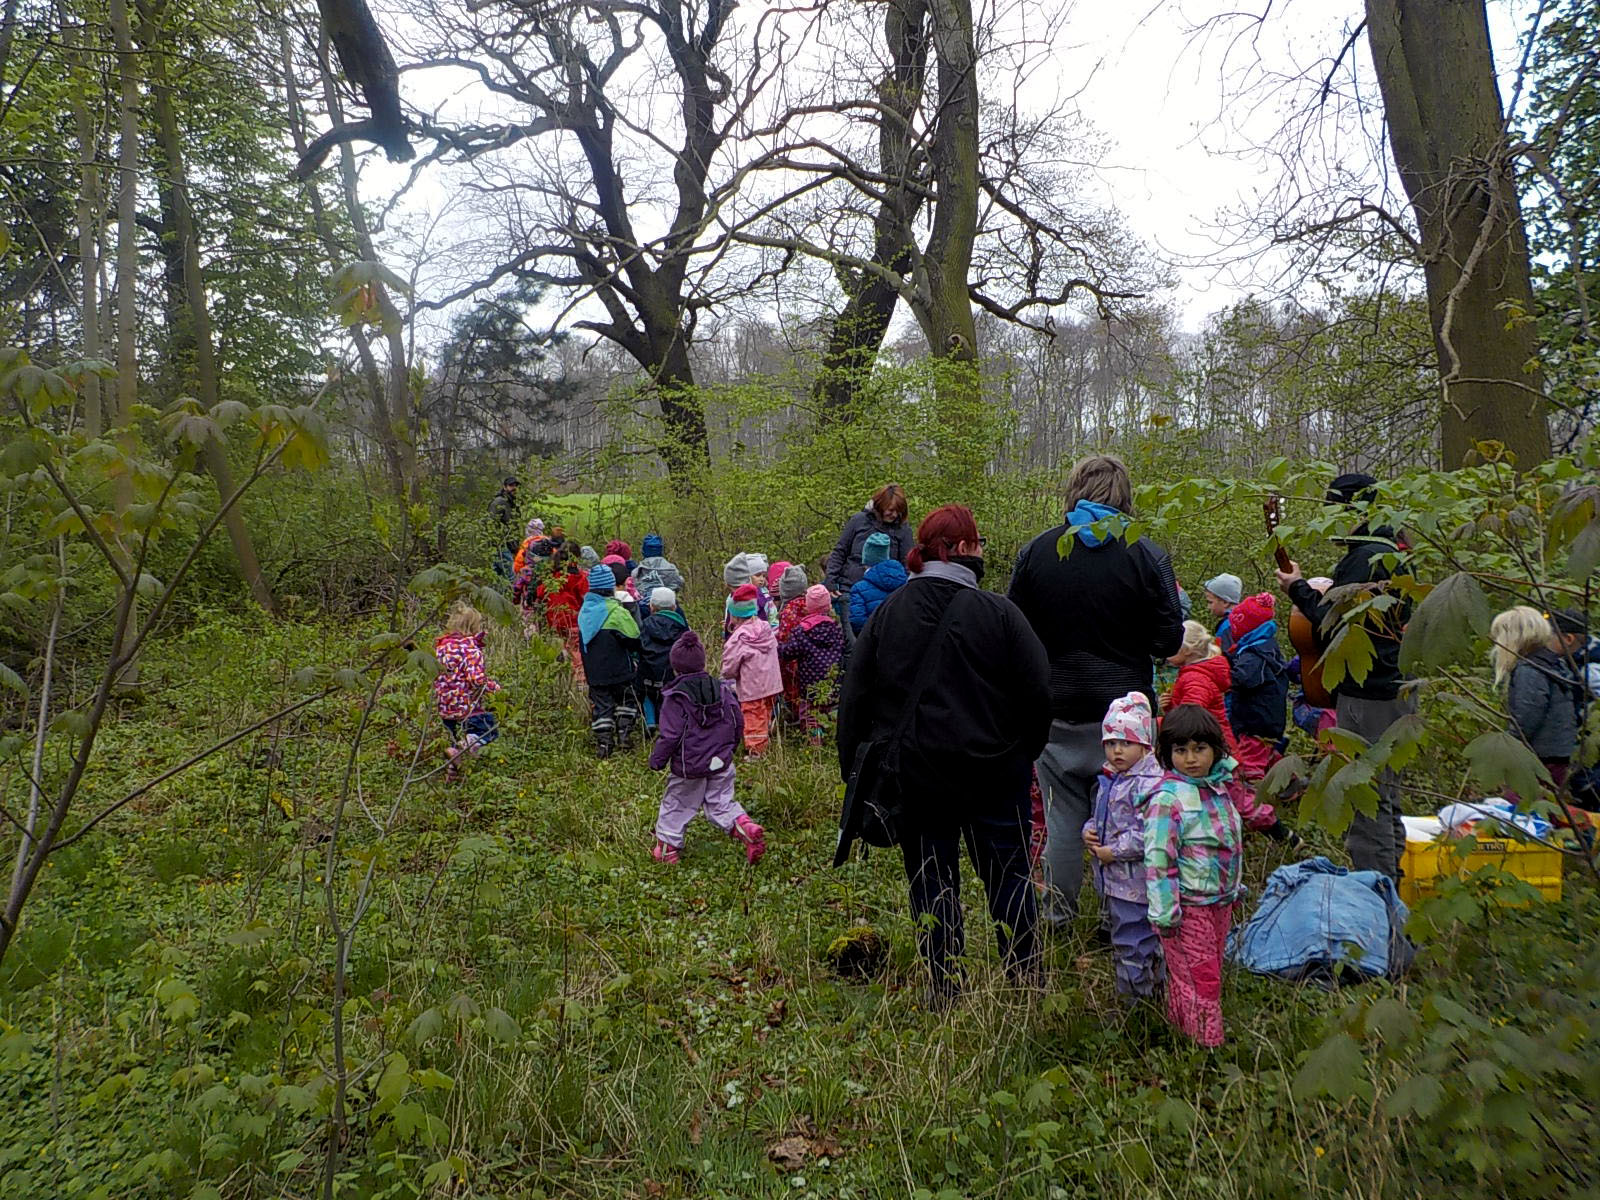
point(1425, 863)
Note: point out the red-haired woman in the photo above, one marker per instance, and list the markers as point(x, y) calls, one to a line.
point(885, 513)
point(953, 686)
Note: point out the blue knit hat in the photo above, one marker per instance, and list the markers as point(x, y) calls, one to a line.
point(653, 546)
point(876, 550)
point(601, 578)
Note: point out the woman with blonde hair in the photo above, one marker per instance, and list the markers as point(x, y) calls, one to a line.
point(1542, 695)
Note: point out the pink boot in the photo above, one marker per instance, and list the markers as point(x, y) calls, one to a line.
point(755, 841)
point(665, 852)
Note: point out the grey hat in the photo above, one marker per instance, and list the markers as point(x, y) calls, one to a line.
point(792, 583)
point(588, 555)
point(736, 571)
point(1226, 587)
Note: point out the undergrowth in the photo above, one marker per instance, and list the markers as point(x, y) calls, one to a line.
point(537, 1009)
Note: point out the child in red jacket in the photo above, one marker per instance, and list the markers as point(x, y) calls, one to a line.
point(461, 686)
point(1204, 678)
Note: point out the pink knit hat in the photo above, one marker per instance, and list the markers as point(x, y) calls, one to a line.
point(1129, 720)
point(818, 600)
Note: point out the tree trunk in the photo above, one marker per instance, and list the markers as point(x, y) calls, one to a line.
point(90, 222)
point(193, 352)
point(127, 279)
point(946, 315)
point(857, 333)
point(1447, 131)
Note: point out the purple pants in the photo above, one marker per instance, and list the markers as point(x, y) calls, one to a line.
point(685, 797)
point(1134, 946)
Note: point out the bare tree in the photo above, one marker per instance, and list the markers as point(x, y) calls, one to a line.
point(615, 152)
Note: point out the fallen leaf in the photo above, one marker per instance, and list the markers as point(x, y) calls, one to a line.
point(789, 1153)
point(778, 1011)
point(696, 1134)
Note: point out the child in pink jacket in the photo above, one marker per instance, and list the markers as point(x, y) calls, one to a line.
point(750, 663)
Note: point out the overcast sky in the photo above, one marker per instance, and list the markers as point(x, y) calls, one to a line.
point(1181, 100)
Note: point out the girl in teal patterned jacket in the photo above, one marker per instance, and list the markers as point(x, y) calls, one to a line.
point(1193, 866)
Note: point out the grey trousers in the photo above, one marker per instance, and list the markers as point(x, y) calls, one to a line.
point(1376, 843)
point(1068, 771)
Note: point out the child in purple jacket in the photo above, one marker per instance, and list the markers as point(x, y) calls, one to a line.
point(700, 727)
point(1115, 837)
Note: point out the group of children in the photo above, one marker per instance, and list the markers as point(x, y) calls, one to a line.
point(1174, 799)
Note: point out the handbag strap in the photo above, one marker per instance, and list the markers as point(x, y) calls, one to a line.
point(930, 664)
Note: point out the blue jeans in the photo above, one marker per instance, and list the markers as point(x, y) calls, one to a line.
point(483, 726)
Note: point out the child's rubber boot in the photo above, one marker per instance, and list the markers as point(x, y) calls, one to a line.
point(627, 717)
point(665, 852)
point(452, 767)
point(753, 836)
point(602, 731)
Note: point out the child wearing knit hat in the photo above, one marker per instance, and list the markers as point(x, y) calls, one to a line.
point(750, 663)
point(817, 650)
point(1115, 837)
point(792, 586)
point(658, 634)
point(701, 723)
point(1222, 593)
point(610, 643)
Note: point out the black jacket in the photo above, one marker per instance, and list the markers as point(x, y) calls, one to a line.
point(985, 710)
point(1362, 563)
point(1260, 695)
point(657, 633)
point(1546, 704)
point(1103, 613)
point(844, 563)
point(611, 660)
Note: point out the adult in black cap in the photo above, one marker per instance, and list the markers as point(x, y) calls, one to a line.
point(503, 508)
point(1365, 707)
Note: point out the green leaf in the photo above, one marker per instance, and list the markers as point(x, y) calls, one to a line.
point(1445, 625)
point(1334, 1069)
point(427, 1025)
point(394, 1083)
point(14, 682)
point(1499, 761)
point(501, 1026)
point(1349, 656)
point(1418, 1096)
point(1584, 554)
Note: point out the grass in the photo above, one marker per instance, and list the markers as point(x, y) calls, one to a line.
point(536, 1008)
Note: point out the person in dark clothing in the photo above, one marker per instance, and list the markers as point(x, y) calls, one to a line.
point(657, 634)
point(1367, 706)
point(962, 764)
point(885, 514)
point(1104, 611)
point(610, 639)
point(503, 508)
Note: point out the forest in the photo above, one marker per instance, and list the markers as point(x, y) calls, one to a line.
point(288, 291)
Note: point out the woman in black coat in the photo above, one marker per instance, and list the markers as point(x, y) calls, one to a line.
point(962, 768)
point(885, 514)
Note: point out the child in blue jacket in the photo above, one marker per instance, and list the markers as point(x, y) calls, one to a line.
point(883, 577)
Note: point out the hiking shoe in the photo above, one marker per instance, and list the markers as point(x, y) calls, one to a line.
point(754, 838)
point(664, 852)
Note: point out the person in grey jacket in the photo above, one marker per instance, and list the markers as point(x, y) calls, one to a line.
point(1543, 695)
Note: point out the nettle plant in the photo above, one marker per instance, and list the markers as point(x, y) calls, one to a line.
point(1484, 1063)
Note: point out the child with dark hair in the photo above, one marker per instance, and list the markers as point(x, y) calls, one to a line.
point(1193, 866)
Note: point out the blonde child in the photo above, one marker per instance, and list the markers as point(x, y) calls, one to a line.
point(1194, 866)
point(1542, 693)
point(461, 685)
point(750, 663)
